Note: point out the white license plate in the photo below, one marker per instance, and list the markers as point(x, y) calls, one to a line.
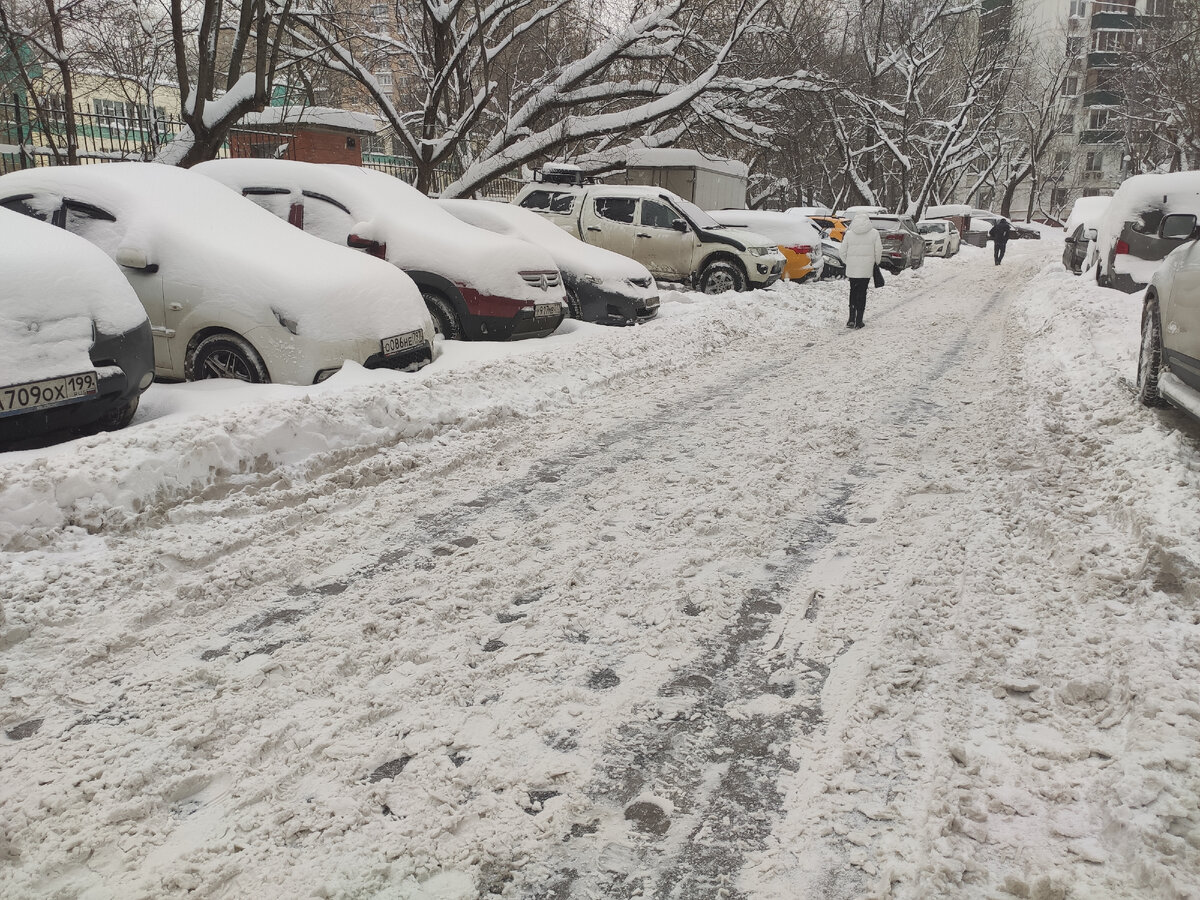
point(19, 398)
point(546, 310)
point(400, 342)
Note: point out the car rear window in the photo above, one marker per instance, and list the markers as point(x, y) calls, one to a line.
point(549, 201)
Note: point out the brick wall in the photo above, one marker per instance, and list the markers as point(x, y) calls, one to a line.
point(306, 146)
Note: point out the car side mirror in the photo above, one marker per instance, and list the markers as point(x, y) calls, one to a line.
point(1177, 226)
point(679, 225)
point(135, 258)
point(373, 248)
point(1090, 234)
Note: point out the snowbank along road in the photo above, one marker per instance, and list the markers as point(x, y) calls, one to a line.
point(738, 604)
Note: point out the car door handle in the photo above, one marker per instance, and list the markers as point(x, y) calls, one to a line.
point(592, 228)
point(643, 234)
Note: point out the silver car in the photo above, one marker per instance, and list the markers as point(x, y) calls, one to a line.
point(1169, 361)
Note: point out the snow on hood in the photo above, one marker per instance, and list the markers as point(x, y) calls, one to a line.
point(785, 229)
point(55, 286)
point(570, 254)
point(418, 233)
point(240, 256)
point(1086, 211)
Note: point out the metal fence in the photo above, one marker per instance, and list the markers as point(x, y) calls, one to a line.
point(31, 136)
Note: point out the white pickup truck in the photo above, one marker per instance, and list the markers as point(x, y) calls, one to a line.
point(674, 239)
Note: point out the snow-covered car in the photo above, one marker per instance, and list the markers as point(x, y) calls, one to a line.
point(1130, 243)
point(231, 292)
point(903, 246)
point(76, 351)
point(1080, 233)
point(670, 236)
point(796, 236)
point(940, 236)
point(831, 252)
point(1169, 361)
point(602, 286)
point(476, 284)
point(1016, 231)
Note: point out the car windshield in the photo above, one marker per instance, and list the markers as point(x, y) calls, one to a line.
point(699, 217)
point(931, 228)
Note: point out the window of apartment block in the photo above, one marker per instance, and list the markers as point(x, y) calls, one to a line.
point(1123, 7)
point(1074, 46)
point(384, 77)
point(1062, 160)
point(1091, 192)
point(1158, 7)
point(1095, 162)
point(1079, 9)
point(1070, 86)
point(1097, 119)
point(1066, 124)
point(1112, 40)
point(1060, 197)
point(379, 12)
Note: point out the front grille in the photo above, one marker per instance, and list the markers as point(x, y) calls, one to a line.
point(544, 280)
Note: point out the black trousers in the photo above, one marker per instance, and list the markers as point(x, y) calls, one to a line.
point(998, 248)
point(858, 299)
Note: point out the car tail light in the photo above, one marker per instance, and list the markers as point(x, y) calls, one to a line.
point(373, 248)
point(894, 237)
point(1122, 247)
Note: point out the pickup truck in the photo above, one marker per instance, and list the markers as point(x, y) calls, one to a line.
point(674, 239)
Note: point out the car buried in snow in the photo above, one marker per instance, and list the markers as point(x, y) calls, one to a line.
point(797, 237)
point(1131, 243)
point(1080, 233)
point(903, 246)
point(601, 286)
point(1169, 357)
point(229, 290)
point(476, 284)
point(76, 351)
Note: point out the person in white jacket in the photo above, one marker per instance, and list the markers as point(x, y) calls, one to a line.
point(861, 250)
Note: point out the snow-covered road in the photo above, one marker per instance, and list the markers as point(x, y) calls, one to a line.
point(737, 604)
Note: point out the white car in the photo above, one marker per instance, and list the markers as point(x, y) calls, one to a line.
point(1080, 233)
point(231, 292)
point(75, 345)
point(601, 286)
point(476, 284)
point(670, 236)
point(798, 238)
point(1169, 362)
point(940, 236)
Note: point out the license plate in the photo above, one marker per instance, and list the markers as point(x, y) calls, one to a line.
point(19, 398)
point(398, 343)
point(546, 310)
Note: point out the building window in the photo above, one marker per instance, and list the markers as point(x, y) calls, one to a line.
point(1062, 159)
point(1078, 9)
point(1120, 7)
point(379, 12)
point(1095, 162)
point(1091, 192)
point(1112, 40)
point(1066, 124)
point(384, 78)
point(1158, 7)
point(1060, 197)
point(1097, 121)
point(1070, 86)
point(1074, 46)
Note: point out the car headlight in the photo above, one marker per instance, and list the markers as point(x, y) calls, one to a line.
point(760, 251)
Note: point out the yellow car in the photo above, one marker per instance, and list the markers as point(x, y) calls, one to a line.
point(797, 238)
point(835, 225)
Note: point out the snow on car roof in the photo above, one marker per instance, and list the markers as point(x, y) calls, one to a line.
point(809, 211)
point(55, 286)
point(418, 233)
point(238, 256)
point(785, 229)
point(671, 156)
point(568, 251)
point(949, 209)
point(1087, 211)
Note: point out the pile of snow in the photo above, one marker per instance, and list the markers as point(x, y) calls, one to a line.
point(809, 211)
point(322, 116)
point(417, 232)
point(54, 286)
point(1087, 211)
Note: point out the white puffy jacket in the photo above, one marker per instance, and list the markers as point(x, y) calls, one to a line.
point(861, 247)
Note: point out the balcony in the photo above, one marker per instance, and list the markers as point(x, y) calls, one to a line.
point(1103, 60)
point(1101, 136)
point(1101, 98)
point(1118, 21)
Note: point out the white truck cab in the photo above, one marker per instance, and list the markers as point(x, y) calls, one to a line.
point(674, 239)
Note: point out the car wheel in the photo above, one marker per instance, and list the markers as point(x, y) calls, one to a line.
point(721, 276)
point(225, 355)
point(445, 320)
point(1100, 279)
point(1150, 356)
point(574, 308)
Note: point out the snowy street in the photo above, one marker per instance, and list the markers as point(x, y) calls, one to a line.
point(737, 604)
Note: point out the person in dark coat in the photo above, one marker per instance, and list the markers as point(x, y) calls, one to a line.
point(999, 235)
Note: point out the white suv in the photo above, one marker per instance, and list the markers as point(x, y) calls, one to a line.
point(674, 239)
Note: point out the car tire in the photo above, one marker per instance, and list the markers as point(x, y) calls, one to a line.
point(574, 308)
point(225, 355)
point(720, 276)
point(445, 319)
point(1150, 356)
point(1100, 279)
